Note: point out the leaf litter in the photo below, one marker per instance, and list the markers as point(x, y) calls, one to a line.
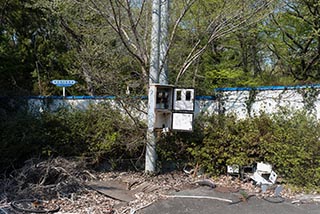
point(63, 181)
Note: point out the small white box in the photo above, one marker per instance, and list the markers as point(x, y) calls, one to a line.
point(234, 169)
point(264, 168)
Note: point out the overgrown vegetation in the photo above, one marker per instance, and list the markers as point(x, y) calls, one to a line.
point(289, 141)
point(97, 134)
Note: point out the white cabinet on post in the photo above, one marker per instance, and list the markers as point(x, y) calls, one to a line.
point(174, 108)
point(183, 109)
point(163, 107)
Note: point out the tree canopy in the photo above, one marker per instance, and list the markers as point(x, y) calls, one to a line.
point(105, 44)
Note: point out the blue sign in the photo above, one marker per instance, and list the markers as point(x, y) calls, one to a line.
point(63, 83)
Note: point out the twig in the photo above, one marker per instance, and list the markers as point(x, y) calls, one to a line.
point(90, 174)
point(134, 165)
point(2, 210)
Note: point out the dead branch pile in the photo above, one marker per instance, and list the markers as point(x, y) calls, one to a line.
point(47, 179)
point(62, 182)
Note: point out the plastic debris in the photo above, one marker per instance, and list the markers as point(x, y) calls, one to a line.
point(264, 175)
point(233, 169)
point(264, 168)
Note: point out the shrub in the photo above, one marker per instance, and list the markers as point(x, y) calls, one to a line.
point(173, 148)
point(288, 141)
point(101, 132)
point(19, 139)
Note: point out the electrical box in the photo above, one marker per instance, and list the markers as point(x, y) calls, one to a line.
point(174, 107)
point(164, 97)
point(183, 99)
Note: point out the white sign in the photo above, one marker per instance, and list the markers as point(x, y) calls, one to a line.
point(63, 83)
point(182, 121)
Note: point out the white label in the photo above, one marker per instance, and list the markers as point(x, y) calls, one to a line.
point(182, 121)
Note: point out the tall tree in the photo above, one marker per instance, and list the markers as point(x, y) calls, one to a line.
point(32, 51)
point(295, 39)
point(228, 52)
point(222, 19)
point(14, 47)
point(106, 43)
point(195, 25)
point(101, 60)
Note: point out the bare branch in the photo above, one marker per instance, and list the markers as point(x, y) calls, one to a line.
point(177, 22)
point(221, 26)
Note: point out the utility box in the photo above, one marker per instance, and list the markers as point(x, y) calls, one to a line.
point(183, 99)
point(163, 97)
point(174, 107)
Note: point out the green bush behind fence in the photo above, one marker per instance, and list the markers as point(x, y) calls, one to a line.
point(287, 140)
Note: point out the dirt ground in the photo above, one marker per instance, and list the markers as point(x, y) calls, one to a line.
point(66, 183)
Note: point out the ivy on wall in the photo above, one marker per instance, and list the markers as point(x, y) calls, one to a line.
point(251, 100)
point(310, 96)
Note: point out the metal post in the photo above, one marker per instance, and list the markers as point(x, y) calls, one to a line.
point(164, 22)
point(63, 91)
point(155, 43)
point(151, 154)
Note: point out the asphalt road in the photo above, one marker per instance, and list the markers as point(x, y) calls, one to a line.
point(254, 205)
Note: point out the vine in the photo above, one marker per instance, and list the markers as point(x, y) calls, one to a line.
point(309, 96)
point(251, 99)
point(221, 102)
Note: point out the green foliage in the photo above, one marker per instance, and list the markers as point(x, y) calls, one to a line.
point(289, 141)
point(310, 96)
point(98, 133)
point(173, 148)
point(105, 46)
point(219, 78)
point(292, 37)
point(20, 139)
point(32, 50)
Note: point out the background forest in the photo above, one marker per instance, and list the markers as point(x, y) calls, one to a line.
point(105, 46)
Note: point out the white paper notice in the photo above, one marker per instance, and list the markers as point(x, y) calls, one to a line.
point(182, 121)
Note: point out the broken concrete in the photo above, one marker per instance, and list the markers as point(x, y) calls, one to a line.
point(113, 189)
point(121, 190)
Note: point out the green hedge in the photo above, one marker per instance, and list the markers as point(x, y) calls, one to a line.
point(288, 141)
point(98, 133)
